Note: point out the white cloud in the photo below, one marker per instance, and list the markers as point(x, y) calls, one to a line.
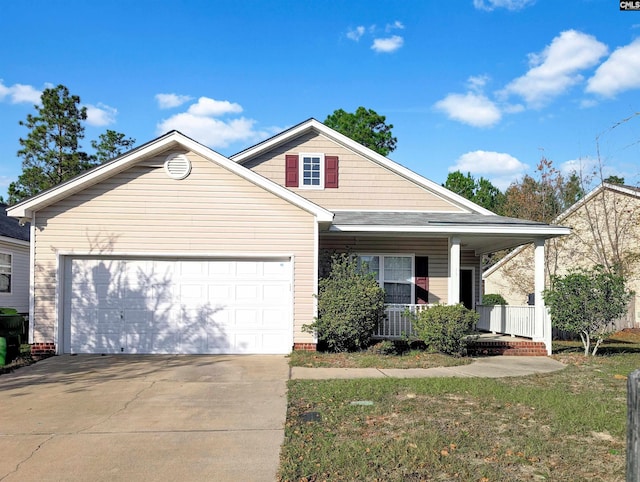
point(101, 115)
point(470, 108)
point(477, 83)
point(500, 168)
point(19, 93)
point(397, 25)
point(387, 45)
point(201, 123)
point(490, 5)
point(211, 107)
point(207, 130)
point(557, 67)
point(620, 72)
point(168, 101)
point(356, 33)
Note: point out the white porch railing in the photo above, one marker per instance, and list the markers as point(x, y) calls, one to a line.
point(510, 320)
point(397, 323)
point(504, 319)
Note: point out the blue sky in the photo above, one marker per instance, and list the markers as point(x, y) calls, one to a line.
point(485, 86)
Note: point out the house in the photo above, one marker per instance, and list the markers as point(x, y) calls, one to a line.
point(605, 228)
point(14, 263)
point(174, 248)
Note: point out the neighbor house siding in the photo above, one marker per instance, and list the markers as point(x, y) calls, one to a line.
point(436, 249)
point(611, 221)
point(19, 296)
point(141, 211)
point(363, 184)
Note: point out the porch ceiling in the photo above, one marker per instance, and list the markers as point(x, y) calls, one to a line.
point(479, 232)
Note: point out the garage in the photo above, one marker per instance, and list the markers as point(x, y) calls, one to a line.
point(174, 305)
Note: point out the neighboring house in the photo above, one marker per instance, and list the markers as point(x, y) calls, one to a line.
point(14, 263)
point(605, 229)
point(174, 248)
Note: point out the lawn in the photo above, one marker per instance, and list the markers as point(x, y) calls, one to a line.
point(564, 426)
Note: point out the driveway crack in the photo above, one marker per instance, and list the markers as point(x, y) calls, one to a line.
point(121, 409)
point(33, 452)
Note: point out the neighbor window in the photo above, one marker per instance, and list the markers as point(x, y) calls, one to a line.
point(5, 273)
point(312, 172)
point(394, 273)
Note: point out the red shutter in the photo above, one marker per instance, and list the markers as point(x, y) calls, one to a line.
point(330, 171)
point(291, 170)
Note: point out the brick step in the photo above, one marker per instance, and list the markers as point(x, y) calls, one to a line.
point(513, 348)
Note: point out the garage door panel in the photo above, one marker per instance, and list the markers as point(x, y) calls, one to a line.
point(178, 306)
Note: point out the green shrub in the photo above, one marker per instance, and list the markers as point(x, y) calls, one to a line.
point(443, 328)
point(493, 299)
point(350, 306)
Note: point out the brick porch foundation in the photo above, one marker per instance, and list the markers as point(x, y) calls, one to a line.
point(506, 347)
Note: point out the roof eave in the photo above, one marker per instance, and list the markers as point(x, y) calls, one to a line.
point(542, 231)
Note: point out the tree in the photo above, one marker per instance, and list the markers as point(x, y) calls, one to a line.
point(111, 144)
point(480, 191)
point(615, 180)
point(350, 306)
point(543, 197)
point(587, 301)
point(366, 127)
point(51, 153)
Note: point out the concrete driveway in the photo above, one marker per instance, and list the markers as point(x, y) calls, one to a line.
point(185, 418)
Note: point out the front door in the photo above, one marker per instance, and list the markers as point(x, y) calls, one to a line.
point(466, 287)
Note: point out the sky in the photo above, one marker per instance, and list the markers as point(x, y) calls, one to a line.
point(488, 87)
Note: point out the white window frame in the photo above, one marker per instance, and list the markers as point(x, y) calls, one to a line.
point(381, 279)
point(301, 157)
point(10, 273)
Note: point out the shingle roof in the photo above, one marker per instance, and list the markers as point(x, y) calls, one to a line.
point(366, 218)
point(10, 227)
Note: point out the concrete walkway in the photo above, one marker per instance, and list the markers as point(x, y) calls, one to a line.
point(489, 367)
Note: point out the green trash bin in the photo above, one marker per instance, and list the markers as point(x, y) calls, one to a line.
point(3, 351)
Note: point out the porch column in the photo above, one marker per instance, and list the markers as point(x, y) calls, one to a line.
point(543, 322)
point(454, 270)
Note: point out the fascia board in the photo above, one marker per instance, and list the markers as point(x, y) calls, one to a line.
point(363, 151)
point(457, 229)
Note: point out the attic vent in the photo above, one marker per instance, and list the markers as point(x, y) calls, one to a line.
point(177, 166)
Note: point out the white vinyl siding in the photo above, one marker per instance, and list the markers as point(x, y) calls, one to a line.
point(363, 183)
point(212, 212)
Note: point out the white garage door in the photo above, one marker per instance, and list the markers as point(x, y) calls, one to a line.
point(177, 306)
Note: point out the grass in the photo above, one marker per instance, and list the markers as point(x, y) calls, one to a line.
point(367, 359)
point(563, 426)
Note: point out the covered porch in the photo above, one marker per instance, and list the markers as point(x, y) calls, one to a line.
point(504, 330)
point(445, 252)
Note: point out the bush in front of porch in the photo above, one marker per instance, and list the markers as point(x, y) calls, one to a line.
point(445, 328)
point(350, 306)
